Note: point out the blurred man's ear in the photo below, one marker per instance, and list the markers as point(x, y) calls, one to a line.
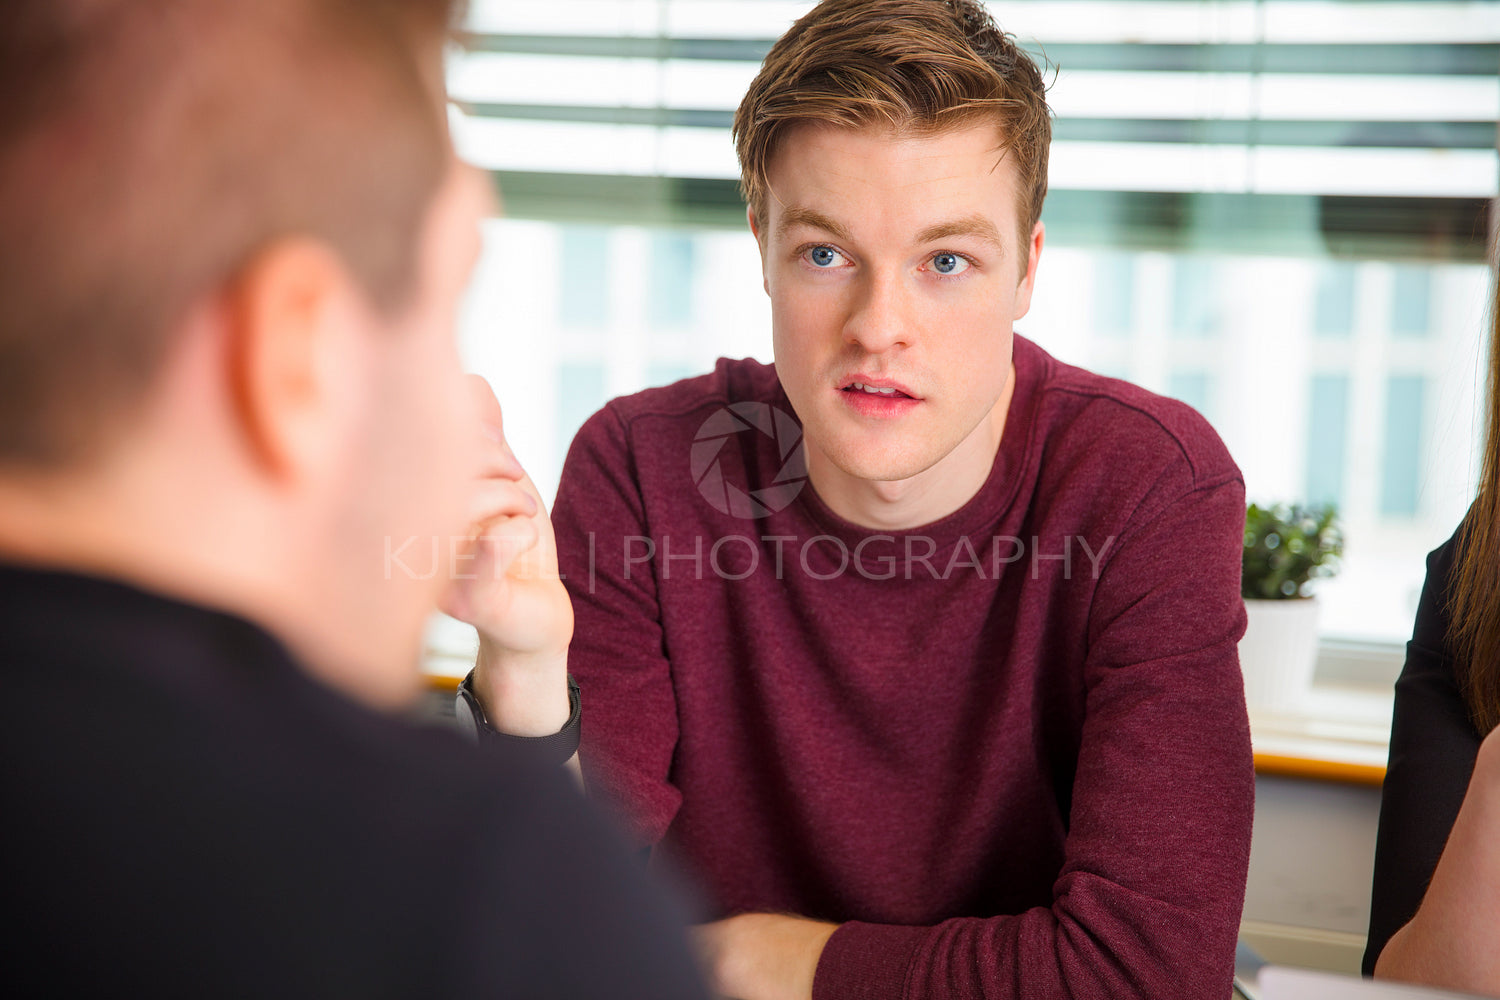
point(291, 329)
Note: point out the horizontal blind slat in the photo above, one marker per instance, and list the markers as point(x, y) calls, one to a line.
point(1103, 21)
point(1374, 99)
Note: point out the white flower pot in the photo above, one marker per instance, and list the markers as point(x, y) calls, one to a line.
point(1278, 653)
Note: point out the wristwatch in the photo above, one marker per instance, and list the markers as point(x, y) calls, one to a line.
point(555, 749)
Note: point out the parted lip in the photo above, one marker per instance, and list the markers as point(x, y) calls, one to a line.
point(875, 382)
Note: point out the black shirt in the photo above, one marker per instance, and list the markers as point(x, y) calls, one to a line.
point(1433, 746)
point(186, 813)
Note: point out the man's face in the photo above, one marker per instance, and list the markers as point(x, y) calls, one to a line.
point(415, 458)
point(893, 268)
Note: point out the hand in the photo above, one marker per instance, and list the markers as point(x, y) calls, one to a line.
point(507, 586)
point(762, 956)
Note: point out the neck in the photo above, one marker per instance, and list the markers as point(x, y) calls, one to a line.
point(98, 526)
point(928, 496)
point(200, 546)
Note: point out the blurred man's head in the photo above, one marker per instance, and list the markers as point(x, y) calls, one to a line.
point(150, 148)
point(232, 238)
point(894, 157)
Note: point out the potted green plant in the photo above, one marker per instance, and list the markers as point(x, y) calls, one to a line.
point(1288, 548)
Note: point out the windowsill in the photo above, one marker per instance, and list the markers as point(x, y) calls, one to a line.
point(444, 670)
point(1340, 732)
point(1342, 729)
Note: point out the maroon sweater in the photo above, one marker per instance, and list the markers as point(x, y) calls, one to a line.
point(1007, 750)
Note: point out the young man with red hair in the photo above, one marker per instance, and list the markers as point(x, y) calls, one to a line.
point(917, 648)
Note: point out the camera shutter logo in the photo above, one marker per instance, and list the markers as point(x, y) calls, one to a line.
point(736, 499)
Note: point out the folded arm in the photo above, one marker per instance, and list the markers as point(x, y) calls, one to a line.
point(1148, 901)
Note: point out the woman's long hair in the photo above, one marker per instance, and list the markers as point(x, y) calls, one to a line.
point(1475, 608)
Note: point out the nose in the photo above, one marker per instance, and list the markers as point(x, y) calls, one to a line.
point(881, 319)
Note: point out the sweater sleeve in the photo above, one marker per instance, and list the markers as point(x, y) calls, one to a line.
point(1433, 746)
point(617, 655)
point(1148, 900)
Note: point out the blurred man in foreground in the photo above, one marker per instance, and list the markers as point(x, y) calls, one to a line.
point(232, 239)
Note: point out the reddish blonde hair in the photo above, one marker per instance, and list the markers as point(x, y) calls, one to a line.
point(915, 66)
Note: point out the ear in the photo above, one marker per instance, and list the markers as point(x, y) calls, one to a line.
point(760, 241)
point(1028, 280)
point(292, 312)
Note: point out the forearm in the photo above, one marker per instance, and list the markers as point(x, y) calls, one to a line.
point(1099, 941)
point(1450, 941)
point(524, 694)
point(1147, 901)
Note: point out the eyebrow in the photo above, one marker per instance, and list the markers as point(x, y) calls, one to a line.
point(970, 225)
point(808, 218)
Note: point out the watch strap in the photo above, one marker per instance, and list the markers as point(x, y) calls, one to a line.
point(554, 749)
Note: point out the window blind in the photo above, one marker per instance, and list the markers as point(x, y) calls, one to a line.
point(1365, 127)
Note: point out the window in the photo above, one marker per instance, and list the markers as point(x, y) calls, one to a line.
point(1196, 297)
point(1327, 439)
point(673, 273)
point(583, 267)
point(1114, 293)
point(1411, 290)
point(1334, 309)
point(1274, 210)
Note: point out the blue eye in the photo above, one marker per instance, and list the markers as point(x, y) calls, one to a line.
point(823, 256)
point(949, 263)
